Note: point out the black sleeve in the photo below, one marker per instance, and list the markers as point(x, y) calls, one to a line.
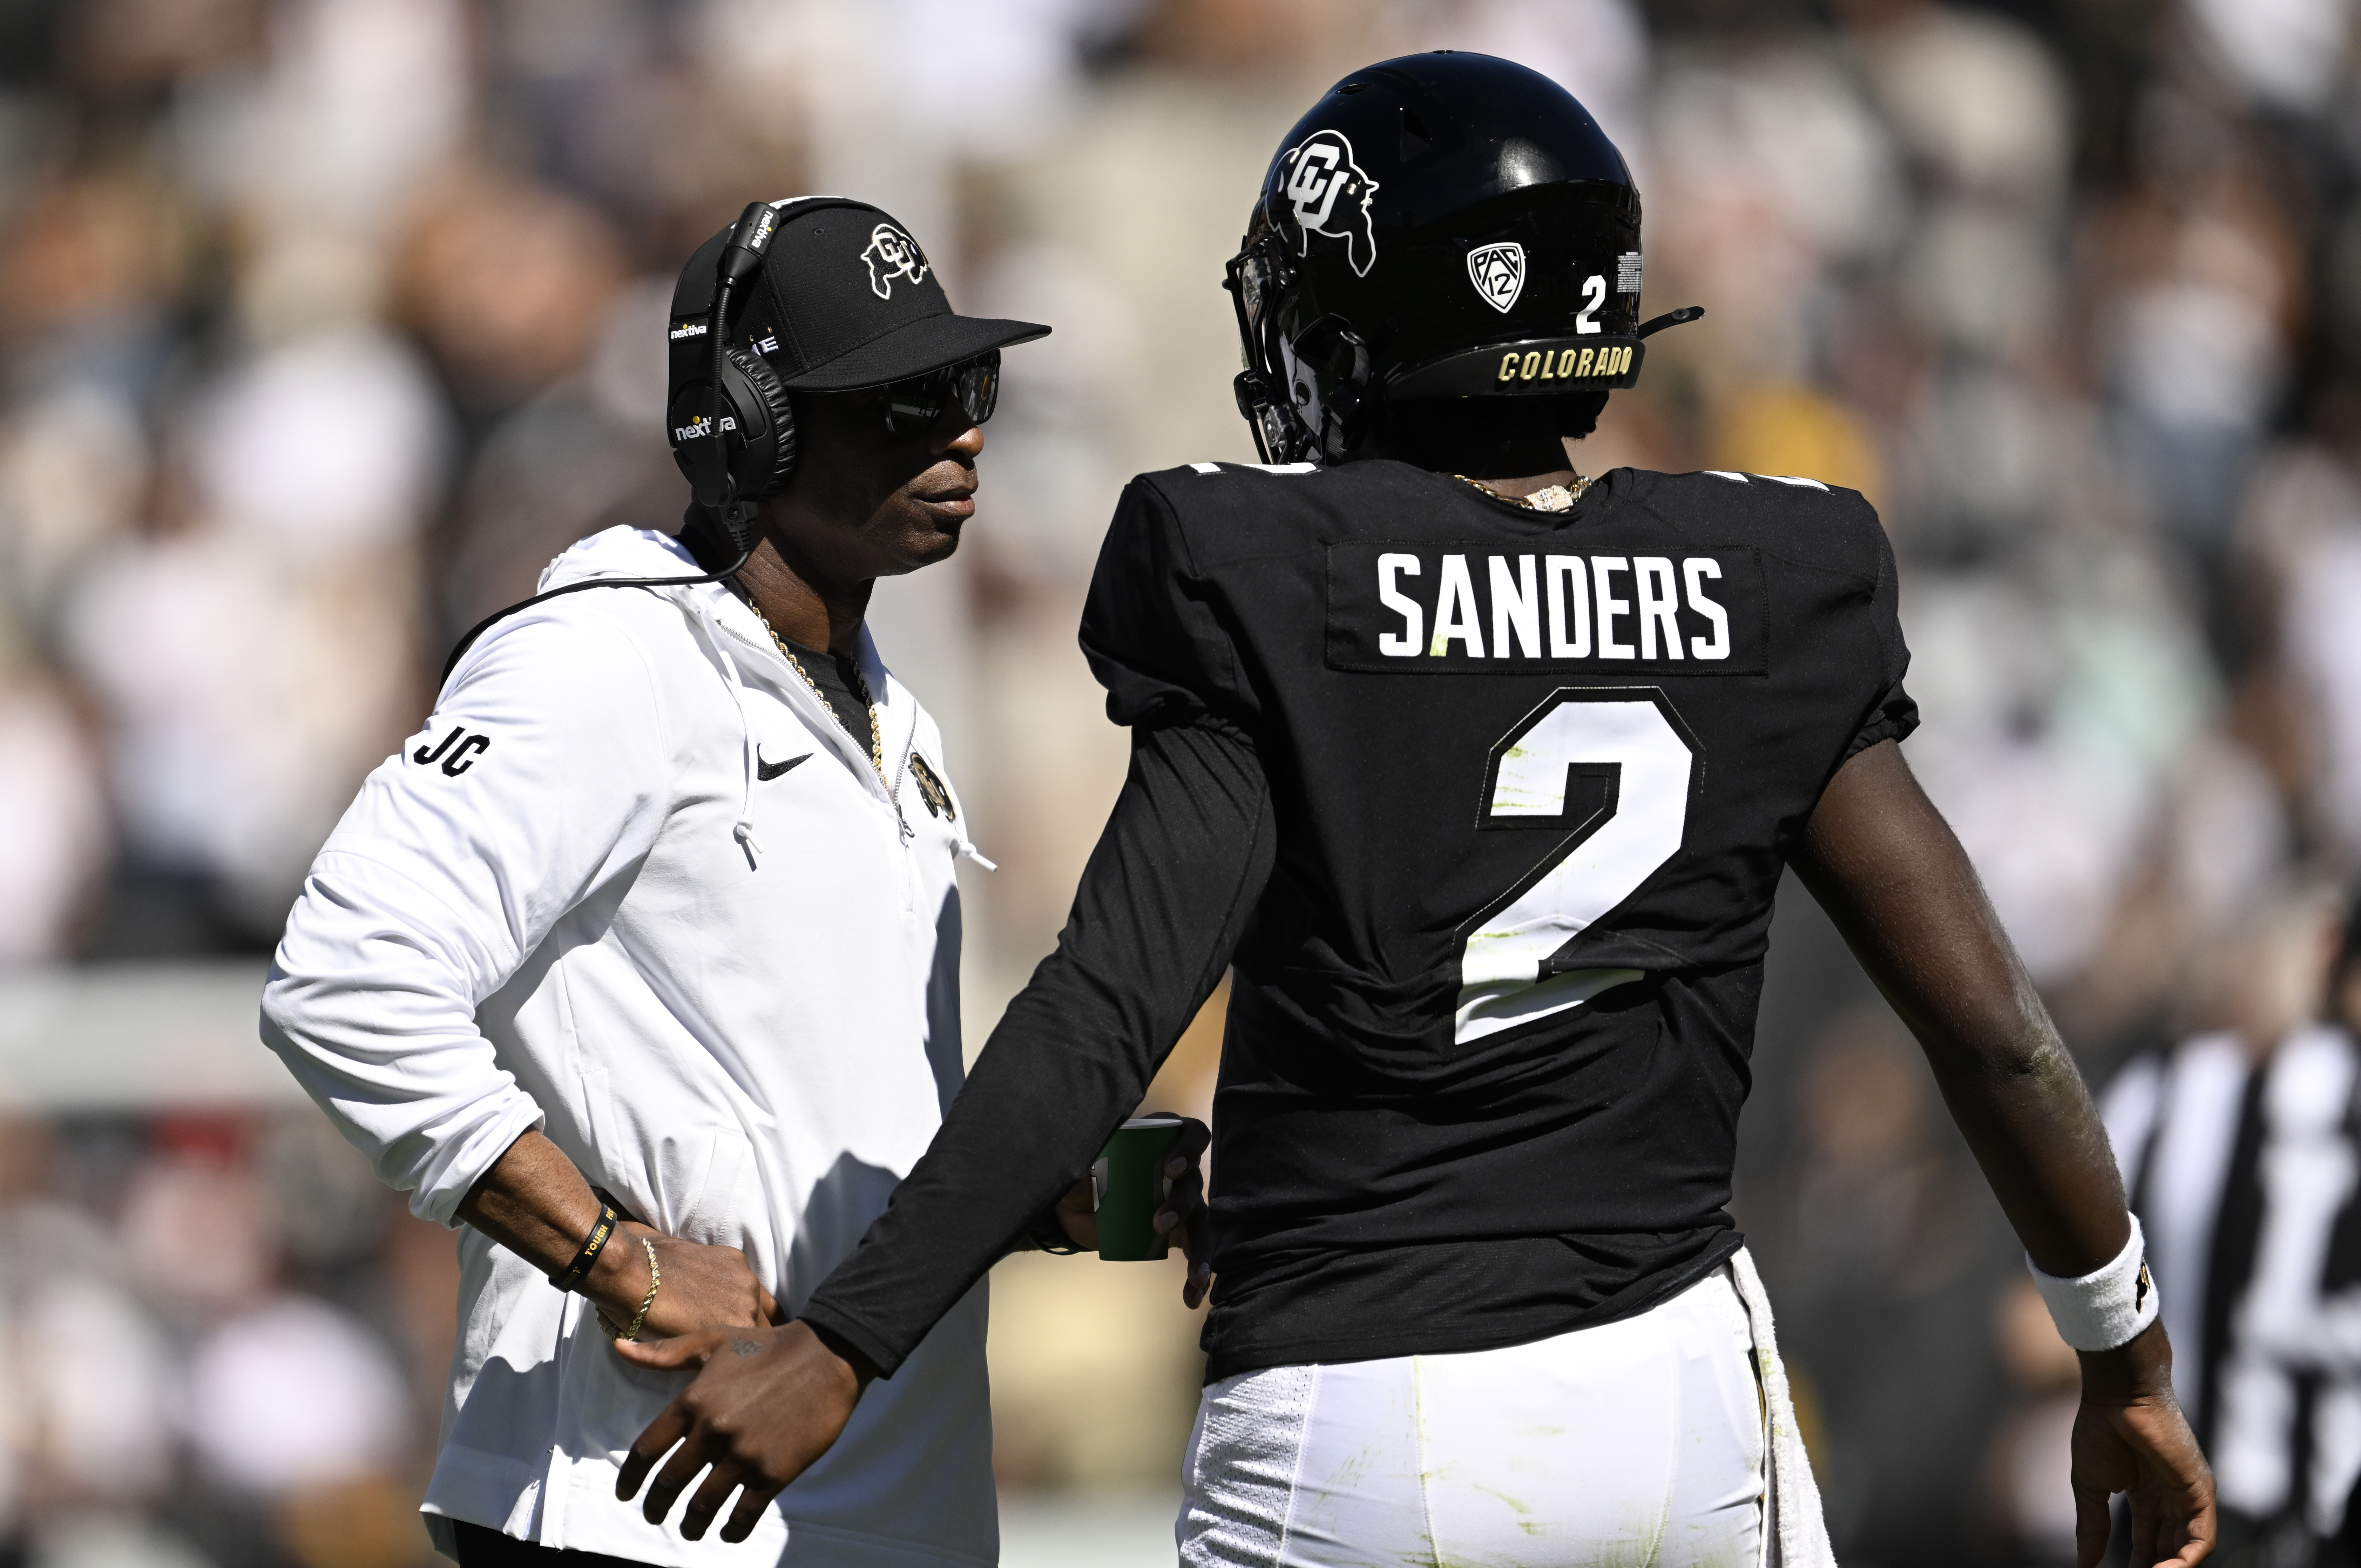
point(1167, 890)
point(1150, 628)
point(1893, 715)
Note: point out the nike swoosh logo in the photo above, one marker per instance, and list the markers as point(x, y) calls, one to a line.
point(766, 772)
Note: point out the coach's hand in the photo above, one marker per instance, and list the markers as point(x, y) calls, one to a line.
point(1184, 1214)
point(2130, 1437)
point(768, 1403)
point(704, 1286)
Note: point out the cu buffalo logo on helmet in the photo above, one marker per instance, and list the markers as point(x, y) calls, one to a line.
point(893, 254)
point(1330, 196)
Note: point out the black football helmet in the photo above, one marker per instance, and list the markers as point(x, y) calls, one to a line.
point(1440, 225)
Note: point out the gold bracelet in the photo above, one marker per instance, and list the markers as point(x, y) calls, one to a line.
point(656, 1280)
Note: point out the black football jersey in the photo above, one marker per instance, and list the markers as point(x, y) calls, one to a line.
point(1535, 776)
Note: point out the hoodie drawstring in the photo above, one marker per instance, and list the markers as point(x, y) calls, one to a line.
point(744, 831)
point(967, 849)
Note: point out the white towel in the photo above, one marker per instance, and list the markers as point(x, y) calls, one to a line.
point(1798, 1536)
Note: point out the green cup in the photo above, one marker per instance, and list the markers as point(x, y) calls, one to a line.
point(1129, 1185)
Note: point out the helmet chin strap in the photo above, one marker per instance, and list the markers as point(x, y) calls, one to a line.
point(1333, 410)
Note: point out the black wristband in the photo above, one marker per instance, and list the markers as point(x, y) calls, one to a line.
point(592, 1246)
point(1048, 1235)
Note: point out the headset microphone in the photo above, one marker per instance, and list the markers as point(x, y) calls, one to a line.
point(741, 255)
point(731, 424)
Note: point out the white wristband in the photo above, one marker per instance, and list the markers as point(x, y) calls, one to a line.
point(2107, 1307)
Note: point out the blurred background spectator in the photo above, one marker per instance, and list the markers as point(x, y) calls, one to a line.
point(325, 324)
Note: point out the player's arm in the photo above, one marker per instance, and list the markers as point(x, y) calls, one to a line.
point(1178, 869)
point(1885, 866)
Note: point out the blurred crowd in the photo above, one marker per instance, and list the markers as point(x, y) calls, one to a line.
point(325, 324)
point(226, 1345)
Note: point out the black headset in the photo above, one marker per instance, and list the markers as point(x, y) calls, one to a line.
point(743, 396)
point(734, 429)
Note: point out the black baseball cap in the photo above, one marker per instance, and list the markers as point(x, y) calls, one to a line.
point(845, 299)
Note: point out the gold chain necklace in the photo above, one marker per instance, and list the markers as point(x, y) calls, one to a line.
point(1548, 498)
point(860, 685)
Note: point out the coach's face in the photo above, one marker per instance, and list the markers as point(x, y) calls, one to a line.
point(869, 502)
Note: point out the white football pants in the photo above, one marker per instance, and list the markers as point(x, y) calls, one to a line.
point(1637, 1441)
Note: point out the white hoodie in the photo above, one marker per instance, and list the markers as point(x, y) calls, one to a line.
point(570, 902)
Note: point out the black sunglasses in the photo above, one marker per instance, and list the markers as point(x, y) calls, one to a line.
point(917, 403)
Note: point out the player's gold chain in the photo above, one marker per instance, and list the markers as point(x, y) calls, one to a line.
point(860, 681)
point(1548, 498)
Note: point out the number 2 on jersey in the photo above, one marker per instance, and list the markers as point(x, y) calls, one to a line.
point(1609, 769)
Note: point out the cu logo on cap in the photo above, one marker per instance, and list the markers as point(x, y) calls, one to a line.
point(893, 254)
point(1332, 196)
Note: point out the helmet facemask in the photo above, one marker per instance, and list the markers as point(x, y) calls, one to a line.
point(1306, 397)
point(1255, 278)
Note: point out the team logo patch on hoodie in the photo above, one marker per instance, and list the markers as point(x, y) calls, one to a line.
point(932, 790)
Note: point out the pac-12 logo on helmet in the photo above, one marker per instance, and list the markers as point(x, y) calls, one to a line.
point(1499, 273)
point(1332, 196)
point(893, 254)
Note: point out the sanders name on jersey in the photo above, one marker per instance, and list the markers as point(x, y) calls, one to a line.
point(1469, 608)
